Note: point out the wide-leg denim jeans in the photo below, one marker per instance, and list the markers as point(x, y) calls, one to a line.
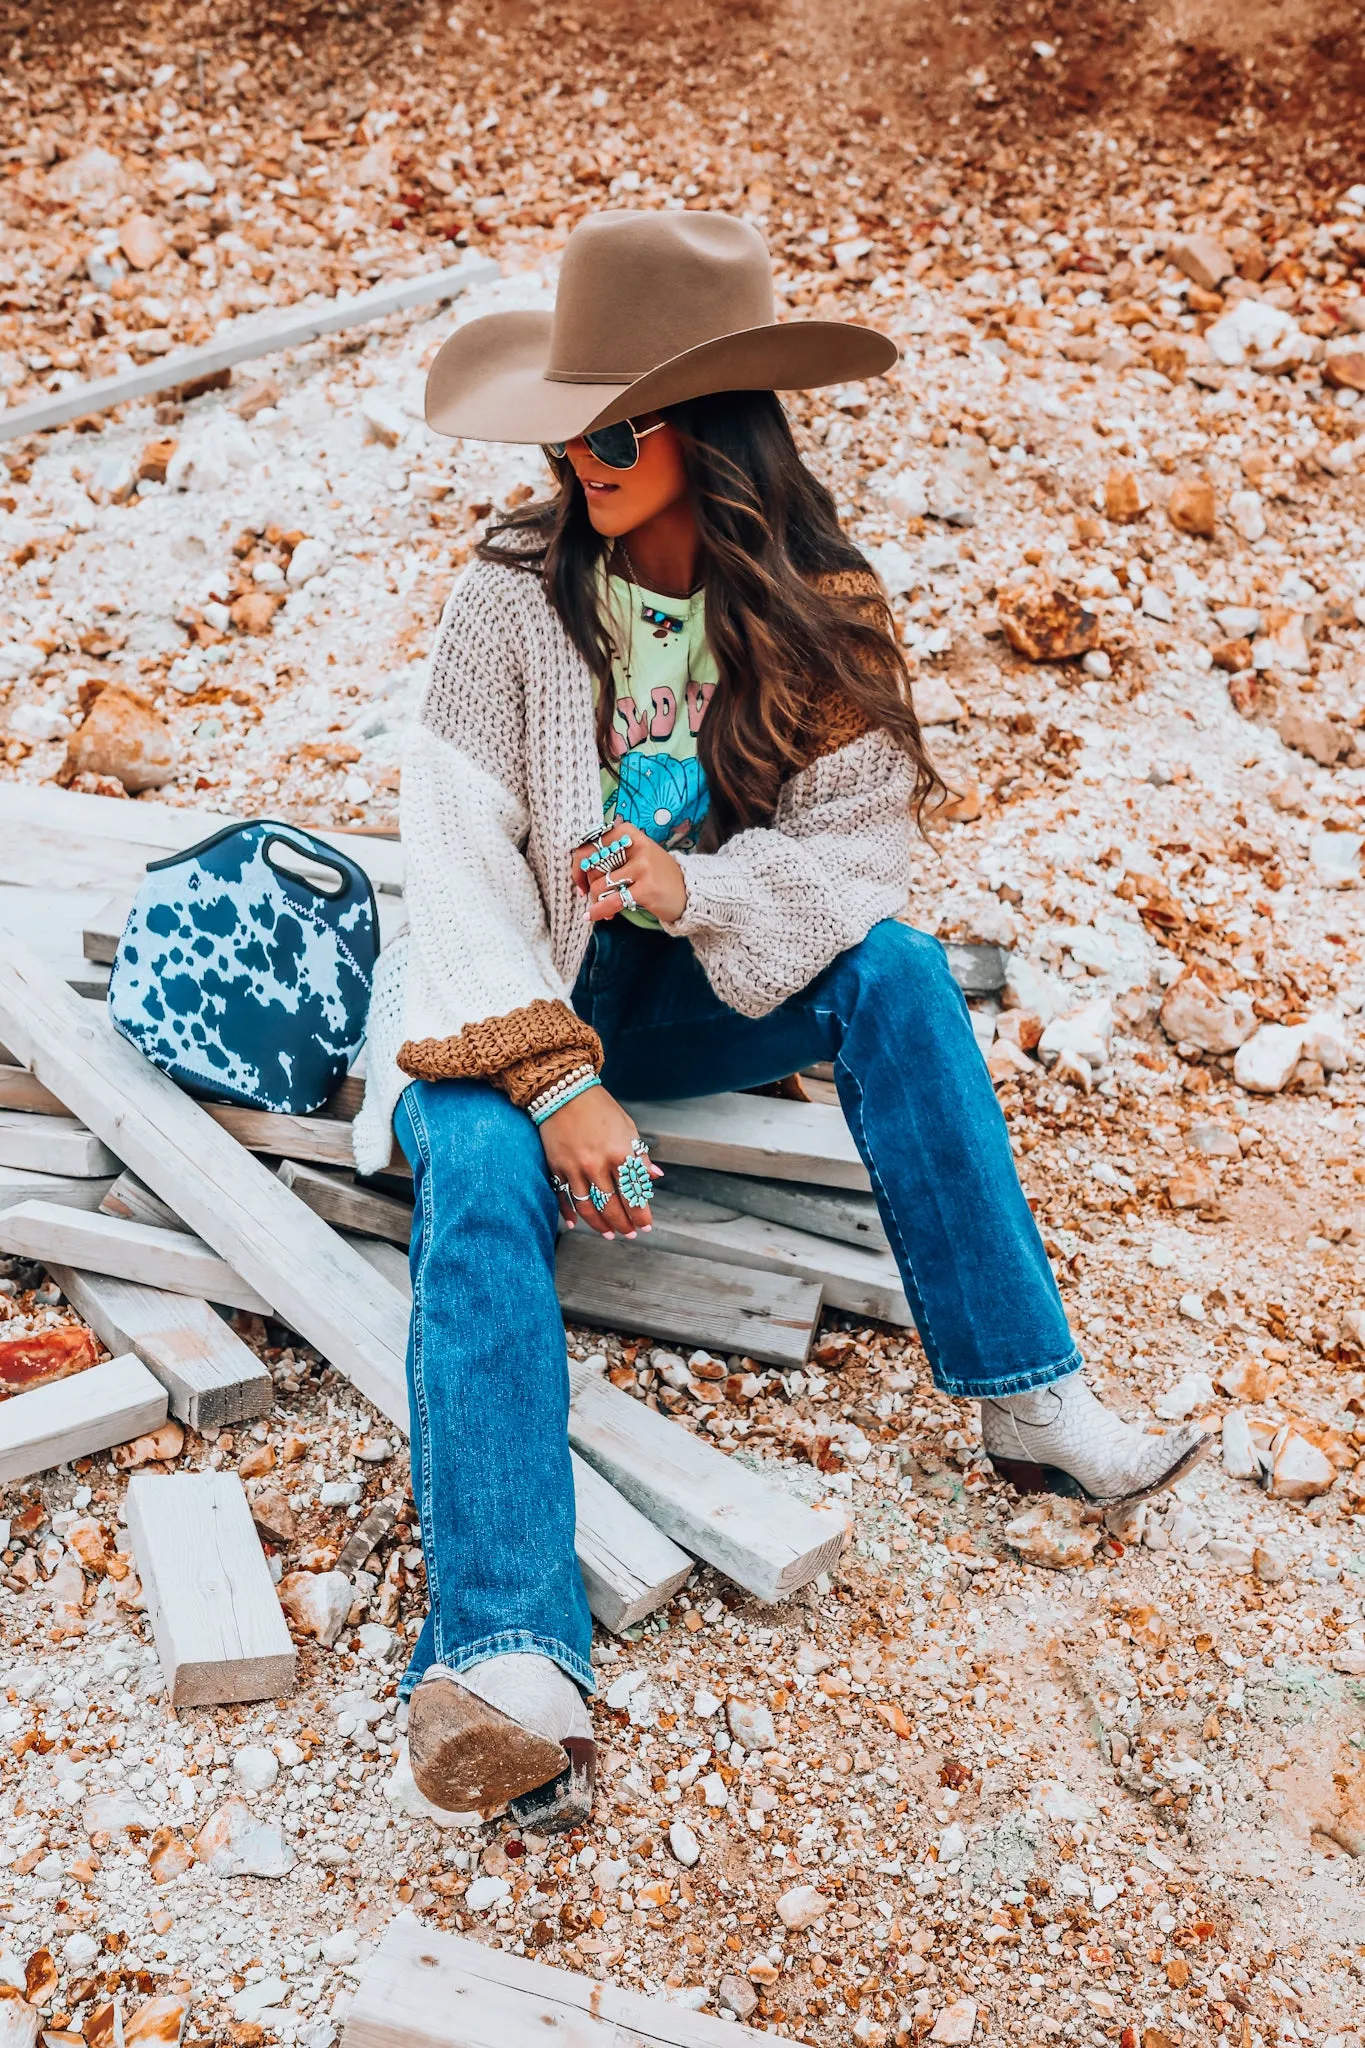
point(488, 1375)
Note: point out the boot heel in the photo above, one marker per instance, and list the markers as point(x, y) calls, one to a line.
point(1026, 1477)
point(566, 1801)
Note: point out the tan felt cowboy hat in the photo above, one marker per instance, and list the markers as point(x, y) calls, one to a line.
point(652, 308)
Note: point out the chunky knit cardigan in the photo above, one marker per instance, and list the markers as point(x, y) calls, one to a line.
point(500, 784)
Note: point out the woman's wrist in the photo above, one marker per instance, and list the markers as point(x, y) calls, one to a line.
point(543, 1106)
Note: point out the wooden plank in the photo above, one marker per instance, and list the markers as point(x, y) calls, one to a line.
point(866, 1283)
point(386, 1259)
point(425, 1989)
point(745, 1524)
point(211, 1377)
point(74, 1418)
point(825, 1212)
point(76, 1191)
point(754, 1134)
point(220, 1632)
point(323, 1140)
point(19, 1090)
point(96, 843)
point(625, 1286)
point(50, 921)
point(337, 1199)
point(143, 1252)
point(629, 1567)
point(128, 1198)
point(312, 1279)
point(53, 1144)
point(242, 341)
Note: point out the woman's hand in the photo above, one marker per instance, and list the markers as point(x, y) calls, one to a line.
point(585, 1143)
point(655, 879)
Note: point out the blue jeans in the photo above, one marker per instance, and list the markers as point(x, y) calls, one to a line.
point(488, 1375)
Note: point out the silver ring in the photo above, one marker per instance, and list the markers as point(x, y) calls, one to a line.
point(599, 1197)
point(623, 891)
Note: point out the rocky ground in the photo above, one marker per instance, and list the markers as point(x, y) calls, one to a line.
point(1012, 1777)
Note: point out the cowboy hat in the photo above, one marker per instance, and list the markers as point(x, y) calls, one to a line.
point(652, 309)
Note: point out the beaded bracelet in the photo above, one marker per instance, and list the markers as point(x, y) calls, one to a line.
point(539, 1114)
point(545, 1096)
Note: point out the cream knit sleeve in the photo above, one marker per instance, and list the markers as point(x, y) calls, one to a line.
point(775, 905)
point(480, 973)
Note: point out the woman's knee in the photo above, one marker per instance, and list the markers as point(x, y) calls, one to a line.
point(469, 1132)
point(895, 962)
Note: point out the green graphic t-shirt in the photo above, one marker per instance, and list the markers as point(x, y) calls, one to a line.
point(664, 674)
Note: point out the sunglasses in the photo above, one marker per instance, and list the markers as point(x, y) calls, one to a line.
point(615, 447)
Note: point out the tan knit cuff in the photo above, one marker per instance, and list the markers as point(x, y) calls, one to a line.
point(522, 1053)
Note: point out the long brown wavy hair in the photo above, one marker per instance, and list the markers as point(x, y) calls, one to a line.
point(782, 642)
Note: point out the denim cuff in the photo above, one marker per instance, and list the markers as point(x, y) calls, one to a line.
point(510, 1642)
point(1021, 1382)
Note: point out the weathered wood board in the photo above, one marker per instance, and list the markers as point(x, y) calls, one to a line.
point(143, 1252)
point(220, 1632)
point(631, 1286)
point(211, 1377)
point(743, 1522)
point(866, 1283)
point(74, 1418)
point(425, 1989)
point(75, 1191)
point(97, 843)
point(337, 1199)
point(53, 1144)
point(760, 1135)
point(825, 1212)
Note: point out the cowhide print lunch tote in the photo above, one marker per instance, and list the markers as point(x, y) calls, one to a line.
point(245, 967)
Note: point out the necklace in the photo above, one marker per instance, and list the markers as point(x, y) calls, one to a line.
point(664, 625)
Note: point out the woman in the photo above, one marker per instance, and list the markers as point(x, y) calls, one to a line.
point(683, 644)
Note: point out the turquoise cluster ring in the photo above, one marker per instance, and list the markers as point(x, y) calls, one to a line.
point(612, 853)
point(634, 1179)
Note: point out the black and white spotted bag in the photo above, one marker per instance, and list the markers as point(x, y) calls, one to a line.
point(245, 967)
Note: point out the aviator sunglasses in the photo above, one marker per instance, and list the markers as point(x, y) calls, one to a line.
point(615, 447)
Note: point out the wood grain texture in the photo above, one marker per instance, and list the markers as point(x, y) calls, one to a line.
point(338, 1200)
point(53, 1144)
point(143, 1252)
point(211, 1377)
point(75, 1418)
point(220, 1632)
point(425, 1989)
point(839, 1213)
point(323, 1140)
point(19, 1090)
point(744, 1523)
point(50, 921)
point(312, 1279)
point(754, 1134)
point(865, 1283)
point(625, 1286)
point(629, 1567)
point(18, 1184)
point(100, 845)
point(128, 1198)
